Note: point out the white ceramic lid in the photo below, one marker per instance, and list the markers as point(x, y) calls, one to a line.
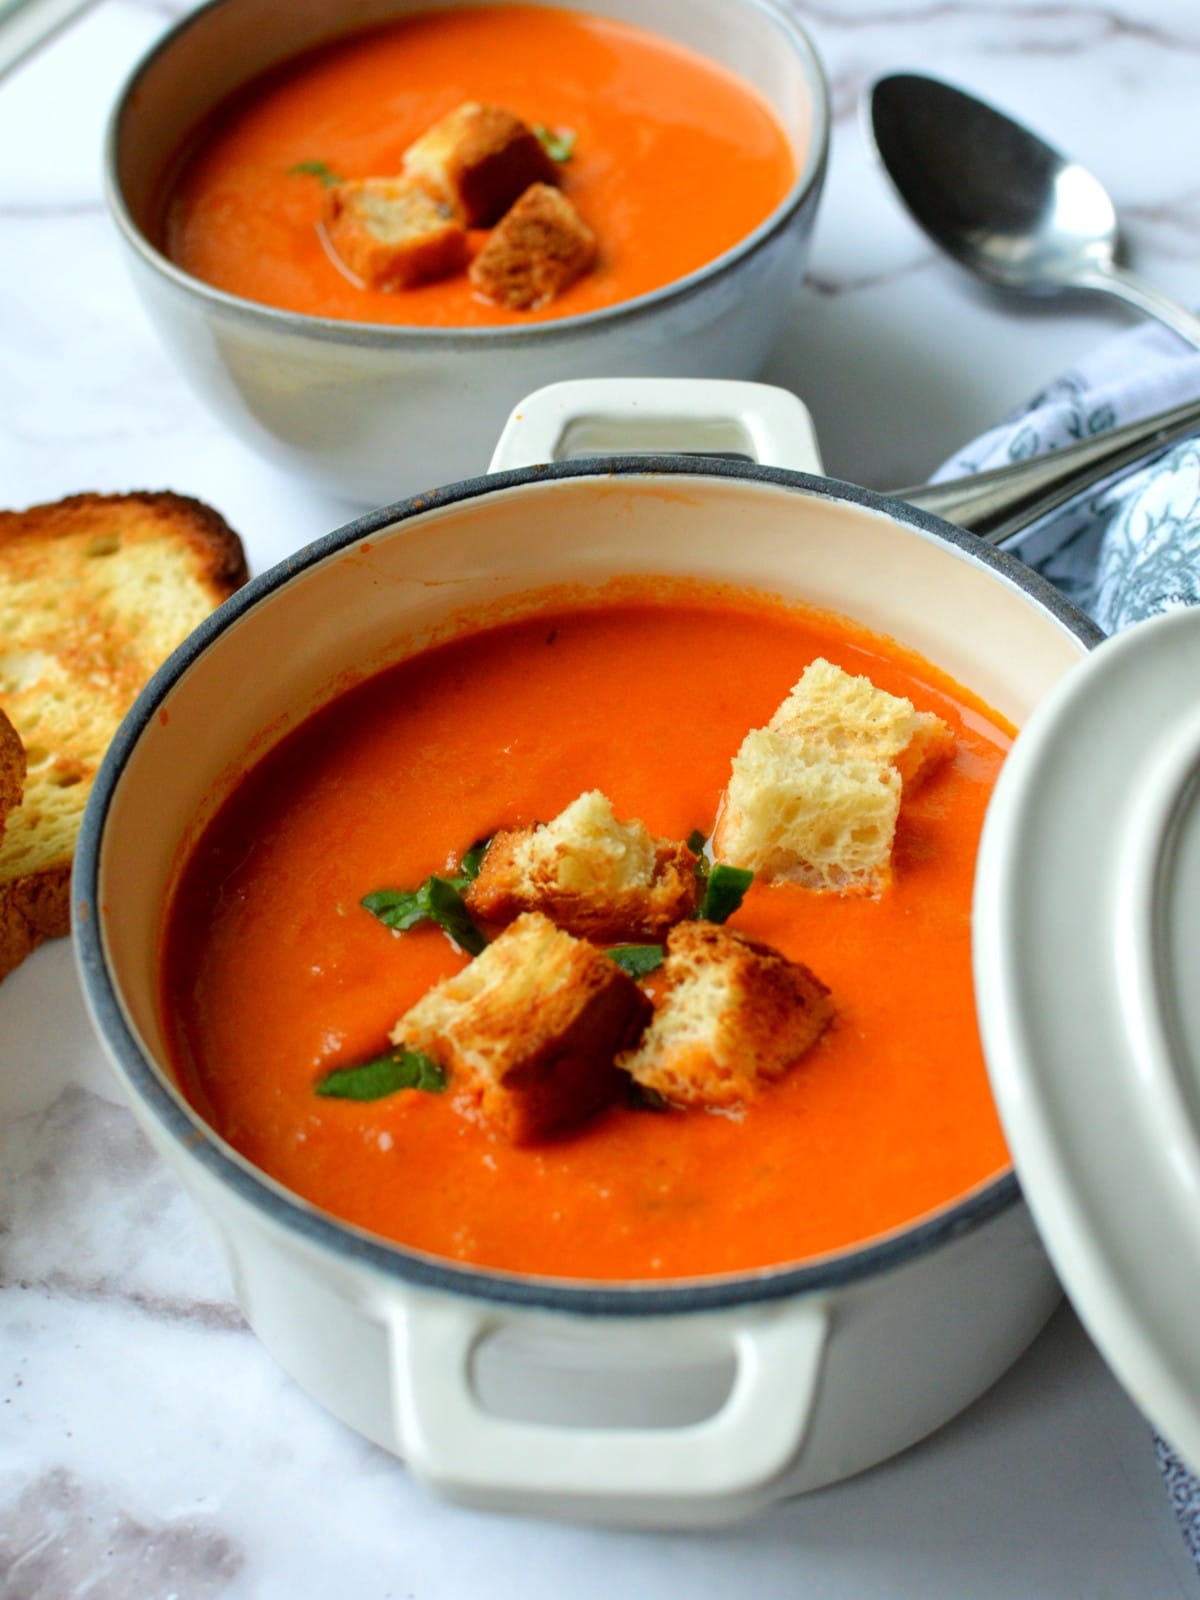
point(1087, 977)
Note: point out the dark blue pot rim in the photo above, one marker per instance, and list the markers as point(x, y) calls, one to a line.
point(350, 1244)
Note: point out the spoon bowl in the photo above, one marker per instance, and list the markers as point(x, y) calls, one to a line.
point(1001, 201)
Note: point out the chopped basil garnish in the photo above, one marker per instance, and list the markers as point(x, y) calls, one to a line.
point(438, 900)
point(384, 1075)
point(636, 959)
point(400, 909)
point(640, 1098)
point(318, 170)
point(558, 143)
point(724, 890)
point(468, 867)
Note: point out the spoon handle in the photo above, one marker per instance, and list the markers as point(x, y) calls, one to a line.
point(1000, 504)
point(1135, 291)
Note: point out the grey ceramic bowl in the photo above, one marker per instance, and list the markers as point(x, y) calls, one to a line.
point(375, 412)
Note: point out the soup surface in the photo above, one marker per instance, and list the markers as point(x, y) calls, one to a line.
point(673, 161)
point(274, 974)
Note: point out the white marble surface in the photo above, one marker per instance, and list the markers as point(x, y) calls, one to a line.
point(148, 1445)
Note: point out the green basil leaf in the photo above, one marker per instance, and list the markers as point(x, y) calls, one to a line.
point(558, 143)
point(696, 840)
point(444, 905)
point(438, 900)
point(397, 908)
point(383, 1075)
point(640, 1098)
point(636, 959)
point(318, 170)
point(724, 892)
point(468, 867)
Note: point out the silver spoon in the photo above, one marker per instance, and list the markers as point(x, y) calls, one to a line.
point(1001, 503)
point(1004, 204)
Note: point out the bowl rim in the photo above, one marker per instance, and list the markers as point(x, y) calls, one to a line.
point(320, 1229)
point(391, 336)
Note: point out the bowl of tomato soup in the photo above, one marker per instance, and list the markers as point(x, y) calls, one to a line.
point(661, 1318)
point(689, 135)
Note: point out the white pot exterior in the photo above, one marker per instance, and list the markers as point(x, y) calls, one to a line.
point(863, 1369)
point(838, 1364)
point(375, 412)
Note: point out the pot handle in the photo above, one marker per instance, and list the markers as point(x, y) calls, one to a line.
point(710, 416)
point(617, 1475)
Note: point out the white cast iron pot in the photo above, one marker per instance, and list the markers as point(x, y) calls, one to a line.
point(666, 1404)
point(376, 412)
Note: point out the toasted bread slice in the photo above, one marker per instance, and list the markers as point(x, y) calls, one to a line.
point(95, 592)
point(731, 1014)
point(535, 252)
point(848, 716)
point(478, 160)
point(528, 1032)
point(793, 813)
point(389, 233)
point(594, 876)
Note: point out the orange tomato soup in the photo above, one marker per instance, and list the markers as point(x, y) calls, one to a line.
point(274, 974)
point(674, 159)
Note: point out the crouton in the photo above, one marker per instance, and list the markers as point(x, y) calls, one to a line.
point(595, 876)
point(391, 234)
point(541, 246)
point(732, 1014)
point(528, 1032)
point(792, 812)
point(478, 160)
point(849, 716)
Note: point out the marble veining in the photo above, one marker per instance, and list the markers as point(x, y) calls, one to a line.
point(149, 1446)
point(64, 1537)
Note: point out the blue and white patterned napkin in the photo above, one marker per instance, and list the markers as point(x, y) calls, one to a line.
point(1129, 549)
point(1122, 551)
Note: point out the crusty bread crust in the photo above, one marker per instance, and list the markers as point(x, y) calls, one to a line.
point(220, 556)
point(12, 770)
point(731, 1014)
point(95, 592)
point(528, 1032)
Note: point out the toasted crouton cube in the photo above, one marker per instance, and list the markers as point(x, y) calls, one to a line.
point(528, 1032)
point(541, 246)
point(732, 1013)
point(390, 234)
point(792, 812)
point(850, 716)
point(595, 876)
point(478, 160)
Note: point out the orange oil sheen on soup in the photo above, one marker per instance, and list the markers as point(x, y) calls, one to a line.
point(274, 974)
point(675, 159)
